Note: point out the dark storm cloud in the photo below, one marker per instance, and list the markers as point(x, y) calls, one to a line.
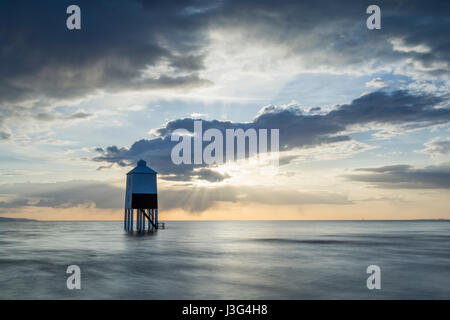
point(157, 153)
point(334, 34)
point(40, 57)
point(404, 177)
point(398, 107)
point(43, 63)
point(297, 129)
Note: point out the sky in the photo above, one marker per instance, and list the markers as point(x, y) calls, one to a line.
point(363, 115)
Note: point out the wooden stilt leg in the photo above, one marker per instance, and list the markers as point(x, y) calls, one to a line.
point(132, 214)
point(126, 219)
point(153, 219)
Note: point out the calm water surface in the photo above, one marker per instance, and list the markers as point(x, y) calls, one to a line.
point(226, 260)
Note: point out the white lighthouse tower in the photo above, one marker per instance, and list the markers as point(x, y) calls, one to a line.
point(141, 195)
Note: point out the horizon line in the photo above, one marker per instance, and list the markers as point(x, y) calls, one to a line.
point(231, 220)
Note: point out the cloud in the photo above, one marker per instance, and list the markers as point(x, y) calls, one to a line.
point(45, 116)
point(404, 177)
point(61, 194)
point(376, 83)
point(147, 45)
point(79, 115)
point(192, 199)
point(116, 43)
point(413, 34)
point(199, 199)
point(43, 65)
point(297, 129)
point(4, 135)
point(437, 146)
point(399, 45)
point(35, 118)
point(396, 108)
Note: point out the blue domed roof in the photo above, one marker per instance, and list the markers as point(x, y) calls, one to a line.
point(142, 168)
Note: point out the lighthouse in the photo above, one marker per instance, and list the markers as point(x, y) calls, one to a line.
point(141, 197)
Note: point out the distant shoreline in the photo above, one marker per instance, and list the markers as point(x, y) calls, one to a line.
point(6, 219)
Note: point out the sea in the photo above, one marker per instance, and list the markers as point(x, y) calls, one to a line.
point(226, 260)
